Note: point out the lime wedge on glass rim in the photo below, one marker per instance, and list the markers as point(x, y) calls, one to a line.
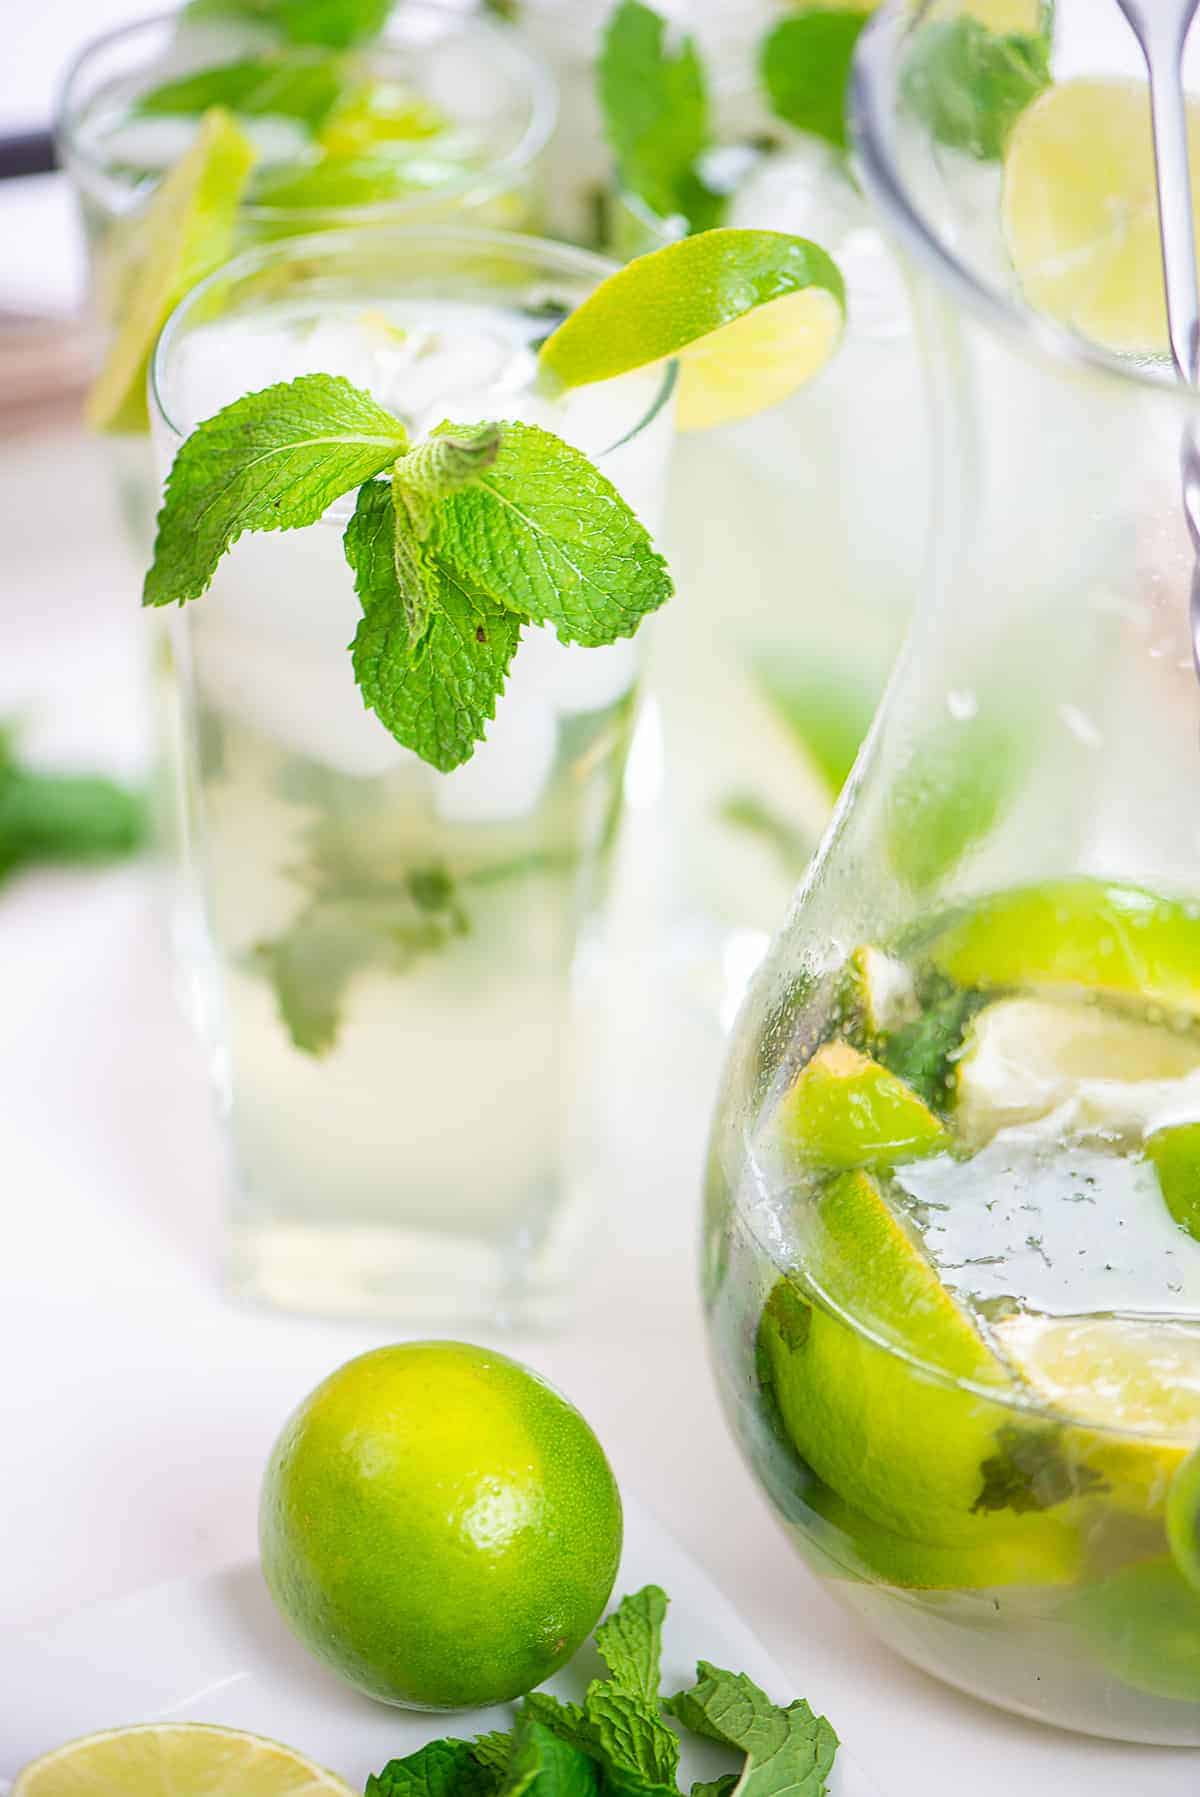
point(1080, 210)
point(176, 1756)
point(751, 315)
point(155, 258)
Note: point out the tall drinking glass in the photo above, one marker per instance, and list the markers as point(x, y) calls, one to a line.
point(952, 1262)
point(388, 952)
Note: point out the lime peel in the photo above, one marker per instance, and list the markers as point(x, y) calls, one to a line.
point(845, 1110)
point(751, 314)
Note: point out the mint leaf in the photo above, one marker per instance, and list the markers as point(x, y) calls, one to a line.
point(654, 101)
point(274, 460)
point(924, 1051)
point(544, 529)
point(1032, 1469)
point(787, 1750)
point(440, 1769)
point(493, 1750)
point(438, 702)
point(805, 65)
point(619, 1723)
point(335, 23)
point(969, 86)
point(63, 818)
point(630, 1641)
point(542, 1764)
point(716, 1787)
point(283, 85)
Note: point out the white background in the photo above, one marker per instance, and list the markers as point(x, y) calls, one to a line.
point(136, 1405)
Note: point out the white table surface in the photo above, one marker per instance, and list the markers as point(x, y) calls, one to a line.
point(137, 1405)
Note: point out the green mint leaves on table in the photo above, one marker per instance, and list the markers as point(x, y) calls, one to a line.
point(336, 24)
point(63, 818)
point(654, 101)
point(617, 1744)
point(286, 84)
point(969, 85)
point(477, 532)
point(805, 66)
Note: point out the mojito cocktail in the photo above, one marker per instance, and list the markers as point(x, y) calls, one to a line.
point(388, 950)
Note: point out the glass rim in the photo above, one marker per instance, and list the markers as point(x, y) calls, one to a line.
point(328, 245)
point(543, 116)
point(873, 98)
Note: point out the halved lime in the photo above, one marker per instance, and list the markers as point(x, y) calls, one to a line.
point(916, 1455)
point(1183, 1518)
point(1118, 940)
point(1143, 1624)
point(193, 1757)
point(845, 1110)
point(751, 315)
point(1080, 210)
point(1175, 1153)
point(1024, 1057)
point(184, 232)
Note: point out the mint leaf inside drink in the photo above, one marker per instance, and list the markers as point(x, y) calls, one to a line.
point(970, 85)
point(805, 64)
point(274, 460)
point(654, 100)
point(283, 84)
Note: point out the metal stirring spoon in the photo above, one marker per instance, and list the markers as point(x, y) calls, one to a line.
point(1161, 28)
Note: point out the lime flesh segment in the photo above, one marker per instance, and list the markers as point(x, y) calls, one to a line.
point(1112, 939)
point(1080, 210)
point(1175, 1153)
point(192, 1757)
point(184, 233)
point(845, 1110)
point(1025, 1057)
point(752, 315)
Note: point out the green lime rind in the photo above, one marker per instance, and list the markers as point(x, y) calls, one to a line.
point(1115, 939)
point(439, 1526)
point(1175, 1155)
point(845, 1110)
point(1143, 1625)
point(658, 305)
point(184, 233)
point(1183, 1519)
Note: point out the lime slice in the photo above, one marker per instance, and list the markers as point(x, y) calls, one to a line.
point(185, 232)
point(912, 1454)
point(877, 996)
point(176, 1756)
point(1080, 210)
point(751, 315)
point(1183, 1519)
point(1175, 1153)
point(844, 1110)
point(1024, 1057)
point(1143, 1625)
point(1120, 1374)
point(1040, 1551)
point(1117, 940)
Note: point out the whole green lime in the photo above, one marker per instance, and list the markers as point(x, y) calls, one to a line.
point(439, 1526)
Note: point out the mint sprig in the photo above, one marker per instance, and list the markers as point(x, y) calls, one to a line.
point(478, 531)
point(63, 819)
point(805, 66)
point(616, 1744)
point(654, 100)
point(969, 85)
point(337, 24)
point(282, 84)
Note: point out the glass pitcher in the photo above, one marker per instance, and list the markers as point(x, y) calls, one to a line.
point(952, 1238)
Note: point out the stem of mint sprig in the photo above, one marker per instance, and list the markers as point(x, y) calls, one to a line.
point(468, 537)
